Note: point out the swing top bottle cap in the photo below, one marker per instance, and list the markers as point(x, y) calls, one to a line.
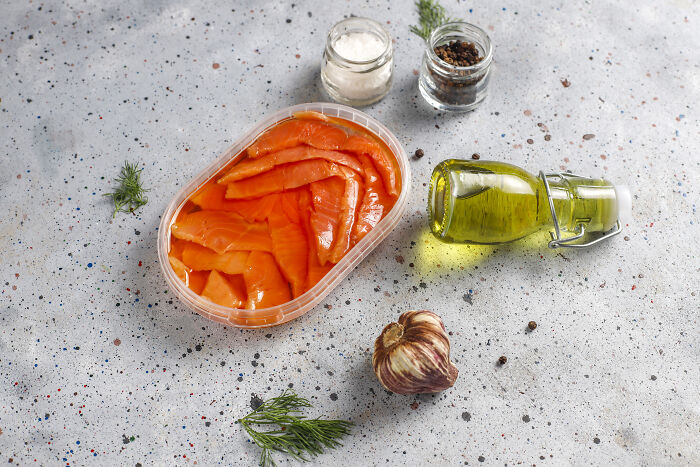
point(624, 203)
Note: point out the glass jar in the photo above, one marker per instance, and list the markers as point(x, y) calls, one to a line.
point(357, 80)
point(455, 88)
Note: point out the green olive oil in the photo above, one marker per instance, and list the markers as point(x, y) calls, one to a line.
point(486, 202)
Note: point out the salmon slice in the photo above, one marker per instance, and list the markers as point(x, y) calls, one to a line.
point(238, 285)
point(357, 144)
point(350, 204)
point(199, 258)
point(295, 132)
point(193, 279)
point(251, 167)
point(289, 246)
point(197, 281)
point(315, 271)
point(176, 247)
point(326, 196)
point(222, 231)
point(213, 198)
point(264, 282)
point(285, 177)
point(289, 201)
point(220, 291)
point(179, 267)
point(375, 202)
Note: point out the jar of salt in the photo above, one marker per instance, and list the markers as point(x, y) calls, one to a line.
point(357, 66)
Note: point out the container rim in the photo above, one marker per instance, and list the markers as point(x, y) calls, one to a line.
point(266, 317)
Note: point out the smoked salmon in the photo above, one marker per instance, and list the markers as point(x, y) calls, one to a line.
point(315, 270)
point(375, 202)
point(295, 132)
point(222, 231)
point(357, 144)
point(251, 167)
point(289, 246)
point(271, 225)
point(284, 177)
point(220, 291)
point(327, 199)
point(213, 197)
point(199, 258)
point(350, 205)
point(264, 283)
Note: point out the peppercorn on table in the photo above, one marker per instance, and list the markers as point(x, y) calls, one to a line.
point(564, 357)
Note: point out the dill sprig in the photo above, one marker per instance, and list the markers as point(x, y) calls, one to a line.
point(129, 195)
point(431, 15)
point(296, 435)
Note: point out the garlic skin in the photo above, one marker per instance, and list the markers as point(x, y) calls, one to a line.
point(412, 356)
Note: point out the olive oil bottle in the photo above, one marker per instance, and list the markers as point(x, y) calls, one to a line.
point(487, 202)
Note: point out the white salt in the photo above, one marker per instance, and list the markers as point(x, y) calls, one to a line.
point(359, 46)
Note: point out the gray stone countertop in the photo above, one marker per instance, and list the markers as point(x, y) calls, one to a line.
point(101, 365)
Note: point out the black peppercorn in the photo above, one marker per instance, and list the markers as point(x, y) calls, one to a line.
point(531, 325)
point(502, 360)
point(418, 154)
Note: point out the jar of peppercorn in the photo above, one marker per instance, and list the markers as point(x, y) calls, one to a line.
point(454, 75)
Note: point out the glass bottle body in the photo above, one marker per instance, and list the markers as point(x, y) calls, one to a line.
point(485, 202)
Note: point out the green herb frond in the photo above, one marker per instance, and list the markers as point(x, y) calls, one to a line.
point(431, 15)
point(130, 194)
point(294, 434)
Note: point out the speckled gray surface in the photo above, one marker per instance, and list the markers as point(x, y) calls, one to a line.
point(99, 365)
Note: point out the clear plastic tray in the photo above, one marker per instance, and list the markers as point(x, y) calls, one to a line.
point(272, 316)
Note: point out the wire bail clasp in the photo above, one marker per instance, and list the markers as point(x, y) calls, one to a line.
point(557, 240)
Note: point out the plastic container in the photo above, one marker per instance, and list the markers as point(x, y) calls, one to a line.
point(265, 317)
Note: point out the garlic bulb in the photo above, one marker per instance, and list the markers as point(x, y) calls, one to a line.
point(413, 355)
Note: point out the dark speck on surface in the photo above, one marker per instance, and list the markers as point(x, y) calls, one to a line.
point(467, 297)
point(653, 377)
point(334, 396)
point(482, 458)
point(596, 440)
point(255, 401)
point(466, 416)
point(526, 418)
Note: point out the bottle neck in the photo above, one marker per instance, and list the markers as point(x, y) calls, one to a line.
point(590, 202)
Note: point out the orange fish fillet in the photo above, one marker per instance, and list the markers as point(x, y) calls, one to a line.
point(295, 132)
point(264, 283)
point(251, 167)
point(222, 231)
point(220, 291)
point(199, 258)
point(289, 246)
point(327, 199)
point(315, 271)
point(212, 197)
point(284, 177)
point(351, 201)
point(375, 202)
point(357, 144)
